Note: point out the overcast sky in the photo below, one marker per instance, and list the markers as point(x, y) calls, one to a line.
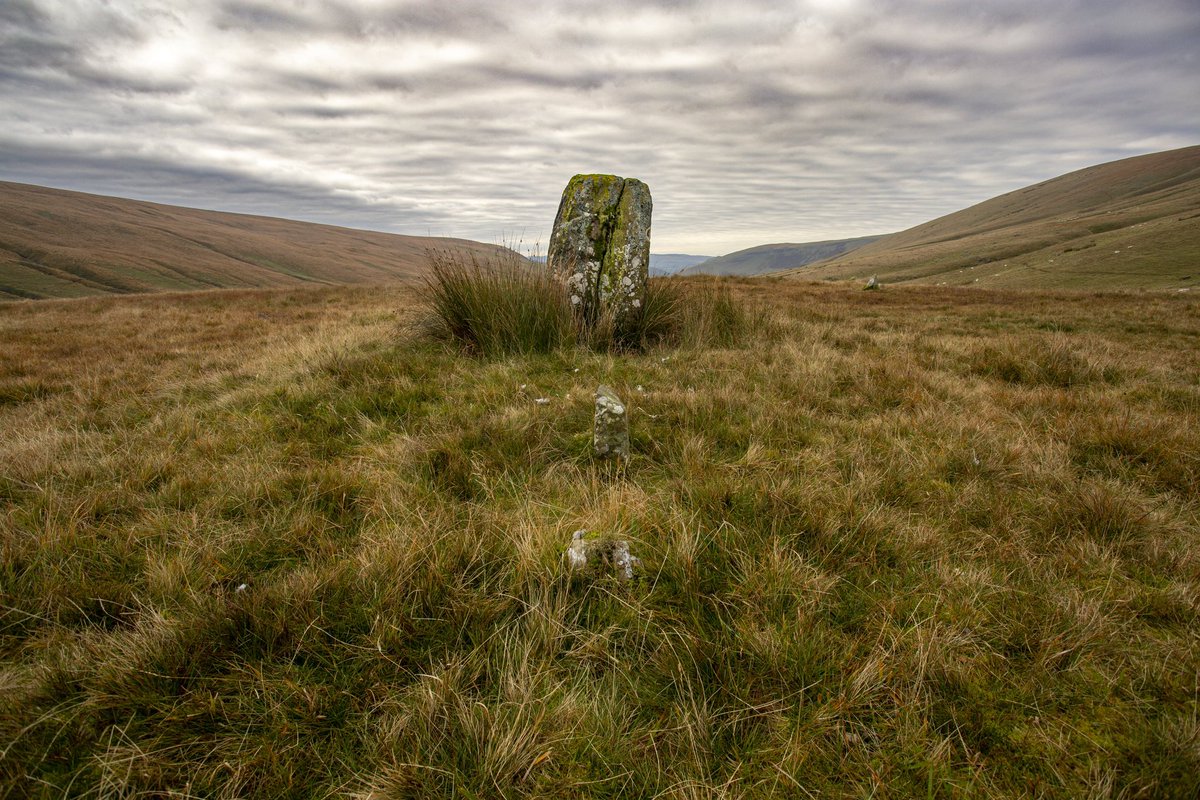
point(752, 122)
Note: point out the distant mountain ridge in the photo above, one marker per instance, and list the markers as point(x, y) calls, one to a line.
point(59, 243)
point(1128, 224)
point(671, 263)
point(774, 257)
point(661, 264)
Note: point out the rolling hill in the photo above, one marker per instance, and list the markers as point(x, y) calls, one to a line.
point(56, 243)
point(1133, 223)
point(773, 257)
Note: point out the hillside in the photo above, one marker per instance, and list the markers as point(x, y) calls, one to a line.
point(55, 243)
point(774, 257)
point(1133, 223)
point(672, 263)
point(925, 542)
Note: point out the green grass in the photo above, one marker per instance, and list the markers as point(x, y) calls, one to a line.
point(933, 543)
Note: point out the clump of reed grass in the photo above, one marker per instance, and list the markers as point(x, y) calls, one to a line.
point(502, 306)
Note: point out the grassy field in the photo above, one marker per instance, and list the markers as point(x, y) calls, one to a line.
point(923, 542)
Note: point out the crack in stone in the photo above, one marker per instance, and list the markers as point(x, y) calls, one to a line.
point(608, 227)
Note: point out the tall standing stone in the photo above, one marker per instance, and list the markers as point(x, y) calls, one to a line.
point(610, 438)
point(600, 244)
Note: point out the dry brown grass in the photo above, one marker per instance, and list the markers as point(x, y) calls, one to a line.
point(911, 542)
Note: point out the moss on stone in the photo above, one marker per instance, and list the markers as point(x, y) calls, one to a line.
point(600, 243)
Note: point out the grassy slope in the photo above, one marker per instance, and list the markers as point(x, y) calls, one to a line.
point(55, 243)
point(773, 257)
point(947, 545)
point(1133, 223)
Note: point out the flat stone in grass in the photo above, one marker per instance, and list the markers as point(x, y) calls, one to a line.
point(593, 553)
point(600, 244)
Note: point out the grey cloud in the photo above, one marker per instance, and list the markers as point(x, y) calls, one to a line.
point(323, 113)
point(193, 186)
point(361, 22)
point(34, 46)
point(263, 18)
point(22, 53)
point(505, 74)
point(309, 82)
point(21, 15)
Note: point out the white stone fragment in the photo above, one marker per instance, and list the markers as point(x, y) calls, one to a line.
point(577, 552)
point(624, 561)
point(600, 553)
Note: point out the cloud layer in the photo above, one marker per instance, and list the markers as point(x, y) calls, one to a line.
point(769, 122)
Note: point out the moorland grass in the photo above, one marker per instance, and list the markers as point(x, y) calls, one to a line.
point(506, 305)
point(917, 542)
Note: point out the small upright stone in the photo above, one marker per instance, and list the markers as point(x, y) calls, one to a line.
point(611, 437)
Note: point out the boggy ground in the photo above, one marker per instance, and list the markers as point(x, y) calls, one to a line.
point(934, 542)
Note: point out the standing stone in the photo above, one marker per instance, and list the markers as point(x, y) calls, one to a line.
point(611, 437)
point(600, 244)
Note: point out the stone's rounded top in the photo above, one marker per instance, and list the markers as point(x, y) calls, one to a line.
point(598, 194)
point(596, 176)
point(608, 398)
point(599, 178)
point(611, 434)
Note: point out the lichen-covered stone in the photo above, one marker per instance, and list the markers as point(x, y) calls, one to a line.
point(596, 553)
point(600, 244)
point(577, 552)
point(611, 436)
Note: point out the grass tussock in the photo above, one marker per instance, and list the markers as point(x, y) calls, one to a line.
point(1044, 361)
point(498, 307)
point(912, 543)
point(507, 306)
